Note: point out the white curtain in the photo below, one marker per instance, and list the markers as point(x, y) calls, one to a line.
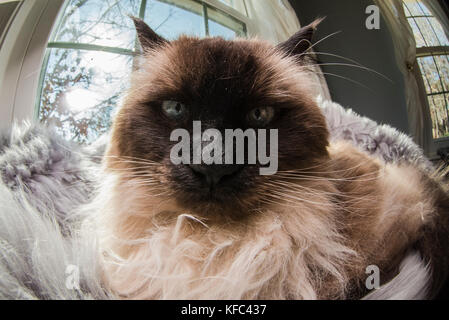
point(276, 21)
point(405, 48)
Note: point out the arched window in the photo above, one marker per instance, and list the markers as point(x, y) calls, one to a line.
point(91, 53)
point(433, 58)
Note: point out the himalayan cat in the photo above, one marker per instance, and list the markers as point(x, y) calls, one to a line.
point(307, 232)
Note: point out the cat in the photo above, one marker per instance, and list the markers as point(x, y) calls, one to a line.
point(307, 232)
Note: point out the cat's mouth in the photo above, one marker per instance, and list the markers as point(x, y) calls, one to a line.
point(213, 184)
point(215, 177)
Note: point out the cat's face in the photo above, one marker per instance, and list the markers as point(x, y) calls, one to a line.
point(241, 84)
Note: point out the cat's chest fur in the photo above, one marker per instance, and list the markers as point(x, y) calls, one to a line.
point(314, 243)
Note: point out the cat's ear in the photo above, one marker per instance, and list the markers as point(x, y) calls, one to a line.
point(147, 37)
point(301, 41)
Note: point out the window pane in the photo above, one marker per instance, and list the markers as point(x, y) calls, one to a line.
point(216, 29)
point(432, 32)
point(416, 8)
point(431, 76)
point(438, 29)
point(238, 5)
point(442, 63)
point(435, 70)
point(80, 91)
point(428, 32)
point(172, 18)
point(224, 25)
point(438, 112)
point(420, 41)
point(406, 10)
point(422, 8)
point(100, 22)
point(426, 28)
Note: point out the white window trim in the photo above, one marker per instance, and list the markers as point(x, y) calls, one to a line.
point(21, 58)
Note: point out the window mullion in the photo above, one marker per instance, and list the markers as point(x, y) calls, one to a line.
point(143, 7)
point(41, 82)
point(90, 47)
point(206, 20)
point(431, 51)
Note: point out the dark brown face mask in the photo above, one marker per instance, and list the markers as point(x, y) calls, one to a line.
point(240, 84)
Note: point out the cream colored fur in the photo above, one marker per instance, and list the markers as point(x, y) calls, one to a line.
point(161, 252)
point(153, 249)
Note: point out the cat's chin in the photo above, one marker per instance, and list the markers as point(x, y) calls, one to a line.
point(213, 202)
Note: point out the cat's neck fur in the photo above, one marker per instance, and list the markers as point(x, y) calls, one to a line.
point(315, 244)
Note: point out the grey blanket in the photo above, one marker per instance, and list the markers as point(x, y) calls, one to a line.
point(43, 179)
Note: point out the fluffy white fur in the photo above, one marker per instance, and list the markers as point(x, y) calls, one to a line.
point(35, 255)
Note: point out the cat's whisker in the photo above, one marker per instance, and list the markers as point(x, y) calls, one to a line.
point(133, 159)
point(306, 170)
point(322, 163)
point(132, 169)
point(350, 80)
point(354, 63)
point(325, 163)
point(296, 187)
point(141, 177)
point(306, 178)
point(334, 55)
point(320, 41)
point(291, 200)
point(349, 173)
point(355, 66)
point(319, 73)
point(142, 169)
point(312, 178)
point(123, 158)
point(283, 195)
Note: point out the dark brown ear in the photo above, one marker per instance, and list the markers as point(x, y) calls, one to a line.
point(301, 41)
point(147, 37)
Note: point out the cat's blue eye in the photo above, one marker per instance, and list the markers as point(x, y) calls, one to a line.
point(174, 110)
point(261, 117)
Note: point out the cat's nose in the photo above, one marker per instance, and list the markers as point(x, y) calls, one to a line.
point(214, 174)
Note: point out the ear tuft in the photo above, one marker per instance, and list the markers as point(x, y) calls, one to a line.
point(147, 37)
point(301, 41)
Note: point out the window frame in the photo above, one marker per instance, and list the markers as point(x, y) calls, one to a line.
point(429, 51)
point(21, 55)
point(200, 7)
